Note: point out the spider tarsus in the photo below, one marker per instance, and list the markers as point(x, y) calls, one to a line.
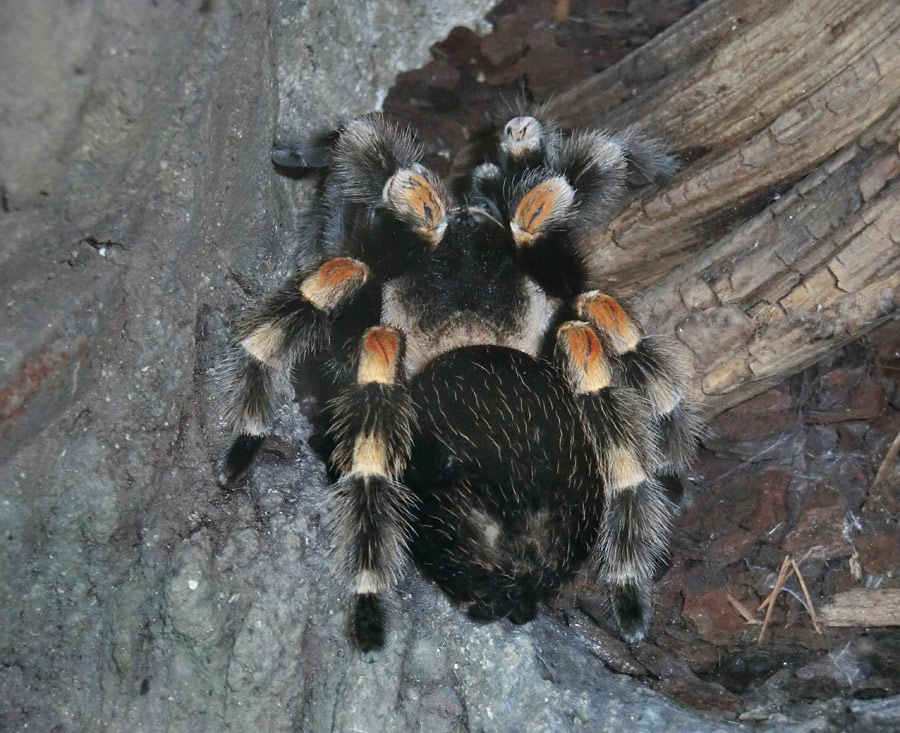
point(481, 613)
point(314, 153)
point(238, 459)
point(631, 610)
point(367, 622)
point(648, 160)
point(673, 487)
point(524, 611)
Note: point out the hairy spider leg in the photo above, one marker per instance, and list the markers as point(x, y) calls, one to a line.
point(552, 211)
point(560, 190)
point(646, 364)
point(284, 330)
point(372, 424)
point(635, 524)
point(595, 162)
point(378, 194)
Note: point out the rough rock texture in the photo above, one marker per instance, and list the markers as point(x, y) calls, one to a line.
point(139, 211)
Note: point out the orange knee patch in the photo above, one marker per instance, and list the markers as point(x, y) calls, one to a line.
point(585, 361)
point(605, 313)
point(543, 205)
point(379, 356)
point(416, 199)
point(334, 282)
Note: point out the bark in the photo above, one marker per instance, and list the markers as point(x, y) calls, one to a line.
point(779, 242)
point(863, 607)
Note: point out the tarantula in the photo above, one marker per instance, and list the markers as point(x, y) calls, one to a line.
point(494, 415)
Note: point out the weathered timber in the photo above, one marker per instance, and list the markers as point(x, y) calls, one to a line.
point(863, 607)
point(780, 240)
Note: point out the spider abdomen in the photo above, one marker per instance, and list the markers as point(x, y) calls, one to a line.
point(507, 481)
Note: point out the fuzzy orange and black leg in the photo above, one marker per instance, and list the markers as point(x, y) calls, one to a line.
point(635, 525)
point(554, 209)
point(542, 221)
point(288, 327)
point(381, 204)
point(601, 167)
point(372, 425)
point(648, 366)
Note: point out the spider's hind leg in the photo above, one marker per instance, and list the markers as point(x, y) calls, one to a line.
point(286, 328)
point(372, 424)
point(635, 524)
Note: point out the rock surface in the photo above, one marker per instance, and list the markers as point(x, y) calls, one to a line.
point(139, 212)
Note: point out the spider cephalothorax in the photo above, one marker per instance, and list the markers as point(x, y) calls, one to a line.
point(495, 416)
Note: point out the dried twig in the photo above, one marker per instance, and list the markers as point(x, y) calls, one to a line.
point(809, 604)
point(561, 10)
point(829, 418)
point(779, 583)
point(742, 610)
point(789, 567)
point(769, 599)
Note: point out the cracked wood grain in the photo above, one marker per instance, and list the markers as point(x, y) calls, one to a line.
point(798, 280)
point(863, 607)
point(780, 240)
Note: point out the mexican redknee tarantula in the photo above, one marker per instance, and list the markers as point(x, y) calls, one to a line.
point(494, 415)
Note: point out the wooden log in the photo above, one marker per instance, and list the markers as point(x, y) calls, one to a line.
point(780, 240)
point(811, 272)
point(863, 607)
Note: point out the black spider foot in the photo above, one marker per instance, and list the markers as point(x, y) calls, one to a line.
point(367, 622)
point(237, 460)
point(483, 612)
point(316, 152)
point(673, 487)
point(648, 160)
point(631, 611)
point(525, 611)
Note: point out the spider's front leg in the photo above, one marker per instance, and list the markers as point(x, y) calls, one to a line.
point(600, 165)
point(549, 213)
point(635, 525)
point(557, 191)
point(372, 424)
point(285, 329)
point(381, 204)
